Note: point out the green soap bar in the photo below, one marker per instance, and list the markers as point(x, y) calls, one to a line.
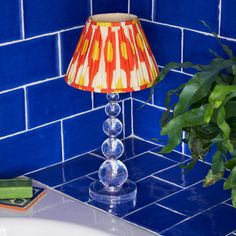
point(16, 188)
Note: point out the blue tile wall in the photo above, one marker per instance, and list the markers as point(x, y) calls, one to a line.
point(228, 19)
point(165, 42)
point(187, 14)
point(42, 16)
point(37, 41)
point(12, 118)
point(28, 61)
point(141, 8)
point(10, 23)
point(30, 150)
point(54, 100)
point(107, 6)
point(69, 41)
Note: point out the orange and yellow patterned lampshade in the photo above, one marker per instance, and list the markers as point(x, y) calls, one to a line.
point(112, 56)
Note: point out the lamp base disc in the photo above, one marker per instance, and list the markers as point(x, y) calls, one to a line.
point(127, 193)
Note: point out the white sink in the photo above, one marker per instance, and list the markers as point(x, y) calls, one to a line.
point(39, 227)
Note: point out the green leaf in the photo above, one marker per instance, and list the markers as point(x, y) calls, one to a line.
point(211, 179)
point(174, 138)
point(188, 119)
point(233, 197)
point(219, 93)
point(198, 86)
point(230, 182)
point(217, 163)
point(222, 124)
point(230, 164)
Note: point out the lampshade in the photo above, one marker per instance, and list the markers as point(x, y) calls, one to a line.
point(112, 56)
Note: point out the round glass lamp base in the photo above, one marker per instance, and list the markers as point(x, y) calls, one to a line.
point(126, 193)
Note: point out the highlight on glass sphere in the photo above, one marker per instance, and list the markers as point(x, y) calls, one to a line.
point(112, 148)
point(113, 174)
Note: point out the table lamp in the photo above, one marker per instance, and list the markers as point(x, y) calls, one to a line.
point(112, 56)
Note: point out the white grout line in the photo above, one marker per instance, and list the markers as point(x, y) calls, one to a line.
point(55, 121)
point(182, 48)
point(91, 7)
point(62, 142)
point(59, 53)
point(30, 84)
point(167, 208)
point(152, 13)
point(128, 6)
point(132, 116)
point(166, 181)
point(22, 19)
point(123, 118)
point(152, 105)
point(220, 15)
point(41, 35)
point(183, 144)
point(188, 29)
point(26, 110)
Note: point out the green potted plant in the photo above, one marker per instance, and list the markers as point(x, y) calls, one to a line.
point(206, 112)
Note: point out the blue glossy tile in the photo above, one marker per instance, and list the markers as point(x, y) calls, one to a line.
point(147, 123)
point(30, 151)
point(133, 147)
point(149, 190)
point(10, 20)
point(54, 100)
point(107, 6)
point(94, 176)
point(141, 8)
point(161, 40)
point(78, 189)
point(12, 110)
point(28, 61)
point(175, 156)
point(217, 221)
point(152, 189)
point(172, 81)
point(100, 98)
point(143, 95)
point(128, 121)
point(69, 170)
point(69, 41)
point(155, 218)
point(228, 19)
point(42, 16)
point(184, 177)
point(229, 202)
point(83, 133)
point(188, 14)
point(196, 198)
point(200, 54)
point(146, 164)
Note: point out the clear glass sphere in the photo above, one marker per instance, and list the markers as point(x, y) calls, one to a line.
point(112, 148)
point(112, 127)
point(112, 109)
point(113, 174)
point(112, 97)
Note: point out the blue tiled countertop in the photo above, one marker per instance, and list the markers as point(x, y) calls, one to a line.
point(170, 201)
